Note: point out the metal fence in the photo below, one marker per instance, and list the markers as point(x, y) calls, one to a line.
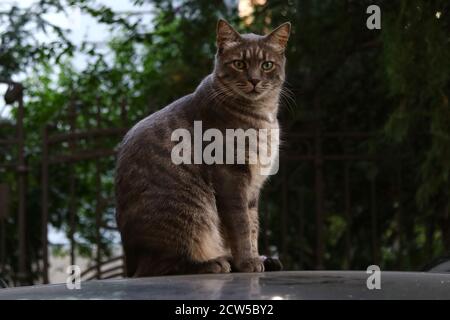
point(316, 160)
point(75, 137)
point(74, 152)
point(14, 140)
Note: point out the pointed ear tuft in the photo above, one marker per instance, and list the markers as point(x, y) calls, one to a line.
point(226, 35)
point(279, 37)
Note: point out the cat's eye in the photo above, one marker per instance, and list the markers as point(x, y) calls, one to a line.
point(239, 64)
point(267, 65)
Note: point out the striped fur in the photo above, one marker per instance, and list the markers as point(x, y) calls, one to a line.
point(200, 218)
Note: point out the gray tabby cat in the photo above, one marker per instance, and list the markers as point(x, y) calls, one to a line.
point(200, 218)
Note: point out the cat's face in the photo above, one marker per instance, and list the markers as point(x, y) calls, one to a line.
point(250, 65)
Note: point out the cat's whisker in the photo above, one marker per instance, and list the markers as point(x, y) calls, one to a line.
point(222, 94)
point(287, 98)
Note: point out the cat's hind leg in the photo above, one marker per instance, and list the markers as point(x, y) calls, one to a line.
point(217, 265)
point(203, 253)
point(160, 264)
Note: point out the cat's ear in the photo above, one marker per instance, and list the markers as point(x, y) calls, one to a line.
point(279, 37)
point(226, 35)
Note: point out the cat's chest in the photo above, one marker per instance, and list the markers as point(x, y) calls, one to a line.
point(261, 159)
point(268, 154)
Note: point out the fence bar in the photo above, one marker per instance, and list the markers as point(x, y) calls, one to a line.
point(400, 221)
point(319, 188)
point(335, 157)
point(284, 209)
point(98, 187)
point(72, 207)
point(9, 141)
point(92, 133)
point(358, 135)
point(374, 224)
point(21, 170)
point(82, 156)
point(44, 199)
point(265, 209)
point(2, 245)
point(301, 225)
point(348, 217)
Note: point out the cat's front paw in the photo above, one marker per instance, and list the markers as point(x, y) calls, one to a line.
point(217, 265)
point(249, 265)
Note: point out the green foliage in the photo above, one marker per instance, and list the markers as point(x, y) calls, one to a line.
point(417, 64)
point(19, 44)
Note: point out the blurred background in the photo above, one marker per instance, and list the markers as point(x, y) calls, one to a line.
point(365, 164)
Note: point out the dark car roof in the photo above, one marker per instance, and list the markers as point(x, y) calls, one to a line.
point(237, 286)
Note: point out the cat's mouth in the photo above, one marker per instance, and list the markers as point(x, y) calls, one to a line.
point(249, 92)
point(253, 92)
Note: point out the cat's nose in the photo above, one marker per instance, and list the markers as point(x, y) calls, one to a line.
point(254, 82)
